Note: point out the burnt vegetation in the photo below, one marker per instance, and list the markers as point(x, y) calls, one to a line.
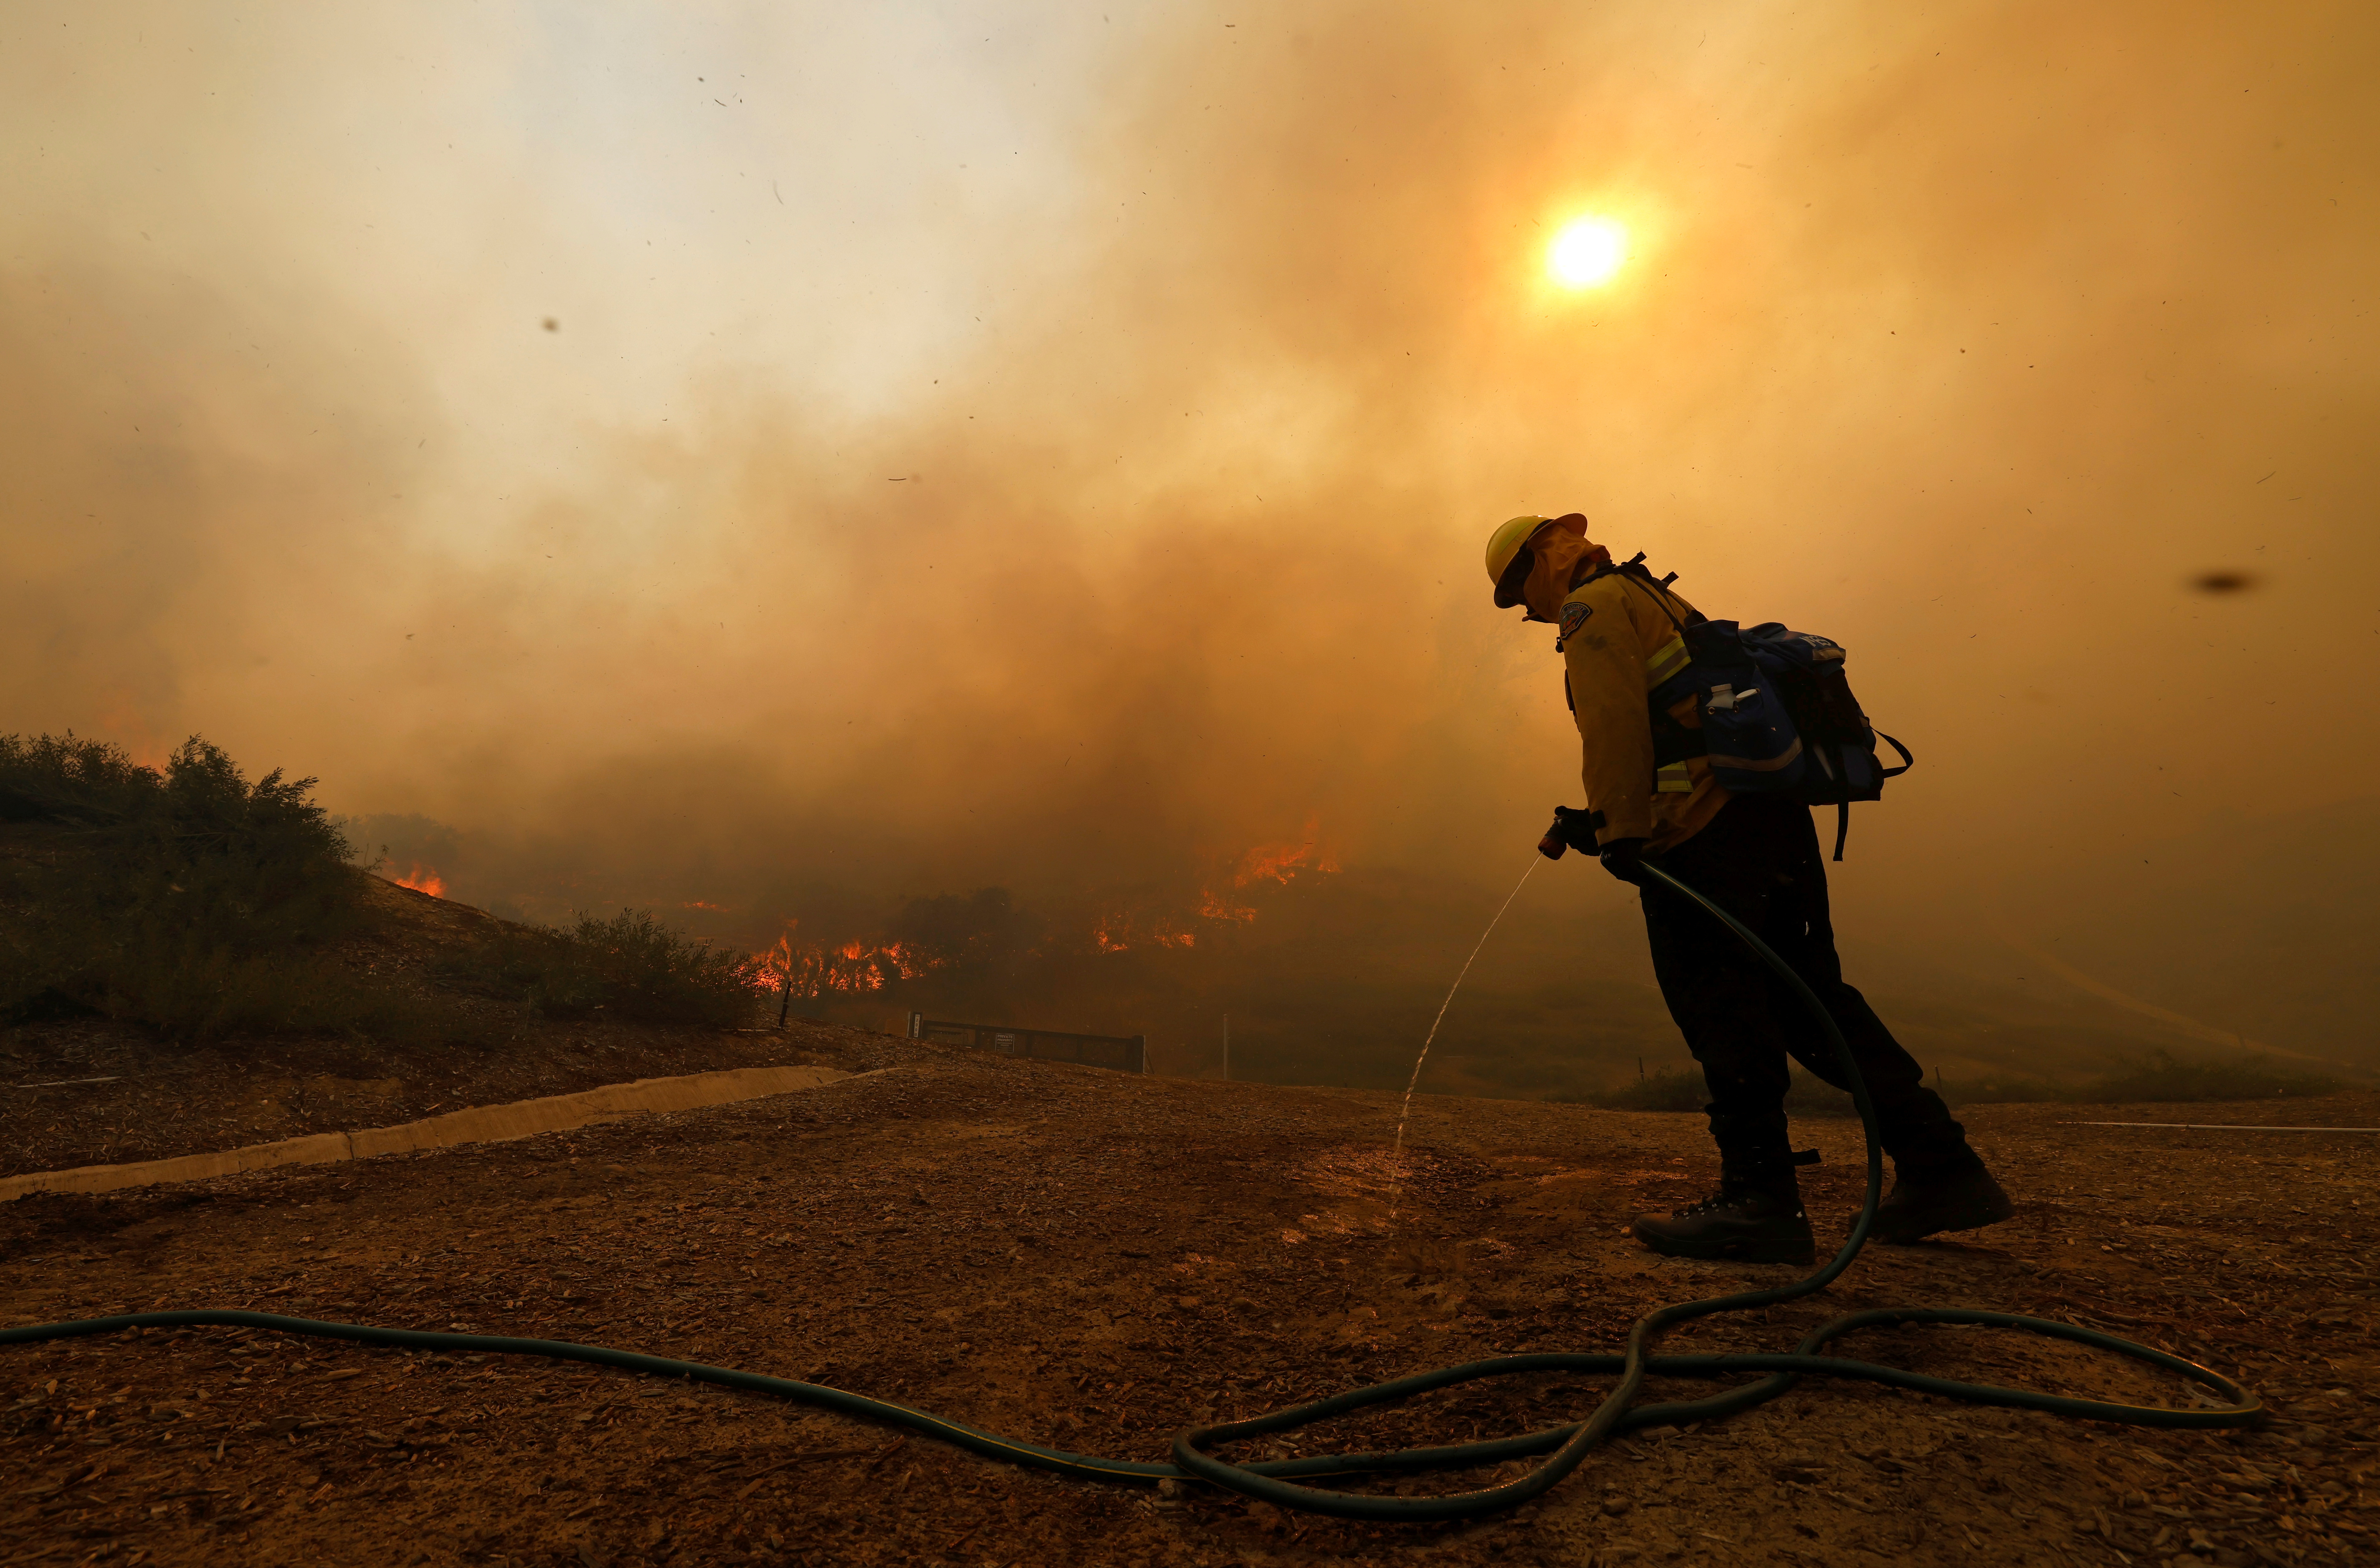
point(202, 905)
point(630, 966)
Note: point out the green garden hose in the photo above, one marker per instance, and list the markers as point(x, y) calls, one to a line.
point(1280, 1481)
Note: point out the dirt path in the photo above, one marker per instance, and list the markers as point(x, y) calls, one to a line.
point(480, 1124)
point(1098, 1260)
point(155, 1103)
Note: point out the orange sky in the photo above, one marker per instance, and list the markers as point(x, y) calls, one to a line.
point(997, 444)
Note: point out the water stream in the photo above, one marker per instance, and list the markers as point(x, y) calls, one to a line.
point(1397, 1167)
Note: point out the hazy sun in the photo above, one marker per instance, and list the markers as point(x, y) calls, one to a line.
point(1587, 252)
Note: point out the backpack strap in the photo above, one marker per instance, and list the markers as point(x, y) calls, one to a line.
point(1635, 570)
point(1843, 806)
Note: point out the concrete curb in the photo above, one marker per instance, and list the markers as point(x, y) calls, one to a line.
point(478, 1124)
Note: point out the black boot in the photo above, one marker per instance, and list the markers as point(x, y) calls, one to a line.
point(1763, 1223)
point(1924, 1203)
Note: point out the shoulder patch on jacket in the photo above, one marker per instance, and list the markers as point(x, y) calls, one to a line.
point(1573, 616)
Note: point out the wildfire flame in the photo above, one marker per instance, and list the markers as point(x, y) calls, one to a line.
point(420, 881)
point(1280, 862)
point(1114, 931)
point(850, 967)
point(1268, 862)
point(812, 970)
point(1214, 905)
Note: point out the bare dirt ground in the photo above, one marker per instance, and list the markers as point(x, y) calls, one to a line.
point(1096, 1260)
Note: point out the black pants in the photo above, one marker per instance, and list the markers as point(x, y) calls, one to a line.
point(1759, 860)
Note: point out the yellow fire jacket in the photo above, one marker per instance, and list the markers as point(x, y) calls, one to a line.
point(1618, 643)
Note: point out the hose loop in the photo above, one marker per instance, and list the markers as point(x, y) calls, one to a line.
point(1568, 1446)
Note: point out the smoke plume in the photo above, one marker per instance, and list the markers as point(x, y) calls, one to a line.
point(786, 463)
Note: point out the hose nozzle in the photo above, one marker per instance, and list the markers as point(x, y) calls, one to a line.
point(1552, 846)
point(1574, 829)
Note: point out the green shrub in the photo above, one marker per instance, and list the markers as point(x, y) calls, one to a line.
point(66, 779)
point(630, 966)
point(184, 898)
point(198, 903)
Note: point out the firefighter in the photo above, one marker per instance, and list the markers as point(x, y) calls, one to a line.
point(1756, 856)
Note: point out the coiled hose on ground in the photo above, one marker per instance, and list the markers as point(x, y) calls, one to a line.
point(1286, 1481)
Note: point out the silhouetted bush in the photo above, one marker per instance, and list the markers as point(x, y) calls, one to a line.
point(192, 900)
point(186, 898)
point(630, 966)
point(63, 779)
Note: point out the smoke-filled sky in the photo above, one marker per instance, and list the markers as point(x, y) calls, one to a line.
point(914, 446)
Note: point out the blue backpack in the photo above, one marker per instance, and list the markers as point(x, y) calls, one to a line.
point(1778, 718)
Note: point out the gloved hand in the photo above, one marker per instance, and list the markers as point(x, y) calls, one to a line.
point(1624, 857)
point(1573, 829)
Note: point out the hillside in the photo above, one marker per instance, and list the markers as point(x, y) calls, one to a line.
point(86, 1089)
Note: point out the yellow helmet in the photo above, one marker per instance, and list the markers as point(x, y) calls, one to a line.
point(1504, 548)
